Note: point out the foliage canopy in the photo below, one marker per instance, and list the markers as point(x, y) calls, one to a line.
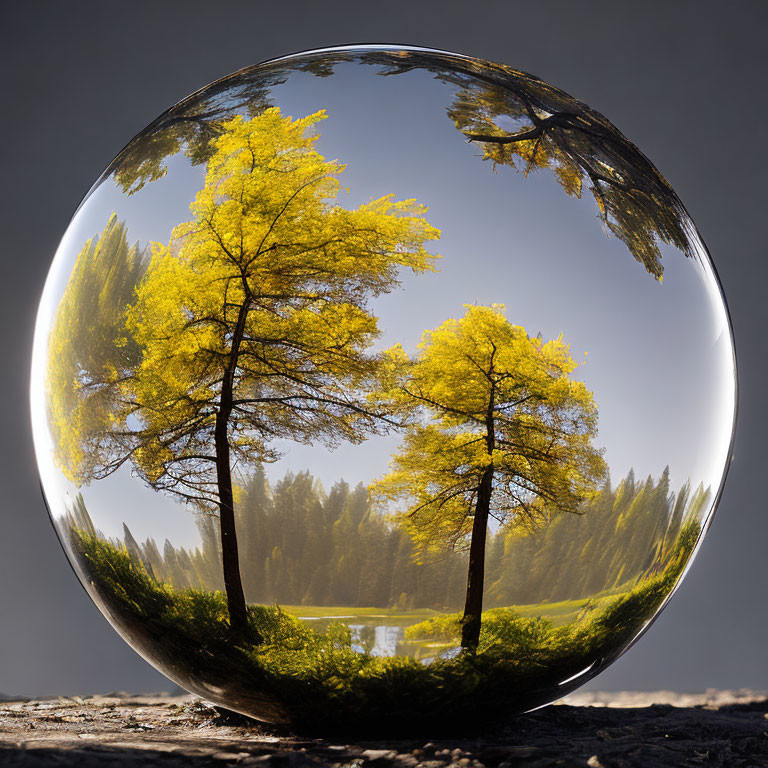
point(269, 262)
point(518, 120)
point(483, 395)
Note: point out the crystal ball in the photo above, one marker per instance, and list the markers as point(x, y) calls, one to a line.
point(381, 387)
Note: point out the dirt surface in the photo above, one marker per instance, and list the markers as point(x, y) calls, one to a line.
point(615, 730)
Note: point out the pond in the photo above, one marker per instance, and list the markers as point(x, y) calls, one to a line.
point(381, 636)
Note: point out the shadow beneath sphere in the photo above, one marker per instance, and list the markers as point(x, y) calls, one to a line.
point(658, 735)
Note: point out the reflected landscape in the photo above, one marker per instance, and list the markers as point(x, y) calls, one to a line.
point(381, 387)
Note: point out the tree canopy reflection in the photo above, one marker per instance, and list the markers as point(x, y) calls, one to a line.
point(519, 121)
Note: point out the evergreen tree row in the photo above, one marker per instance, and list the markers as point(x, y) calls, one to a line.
point(302, 546)
point(622, 536)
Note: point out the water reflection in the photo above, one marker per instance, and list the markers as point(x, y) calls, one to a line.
point(385, 641)
point(376, 639)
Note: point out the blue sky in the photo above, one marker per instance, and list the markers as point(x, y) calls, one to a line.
point(658, 355)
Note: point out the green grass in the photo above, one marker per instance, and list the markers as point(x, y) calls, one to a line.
point(314, 679)
point(568, 611)
point(560, 613)
point(394, 615)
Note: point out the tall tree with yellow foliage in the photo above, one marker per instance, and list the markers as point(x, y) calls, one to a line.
point(496, 429)
point(90, 352)
point(253, 323)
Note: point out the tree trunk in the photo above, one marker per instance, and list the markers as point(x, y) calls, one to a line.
point(230, 558)
point(473, 607)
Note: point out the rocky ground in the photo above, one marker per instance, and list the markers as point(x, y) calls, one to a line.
point(617, 730)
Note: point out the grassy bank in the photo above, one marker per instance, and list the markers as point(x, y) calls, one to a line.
point(387, 615)
point(317, 680)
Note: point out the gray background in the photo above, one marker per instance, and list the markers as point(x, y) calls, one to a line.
point(684, 81)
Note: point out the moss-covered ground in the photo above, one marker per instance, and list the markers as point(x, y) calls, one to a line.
point(288, 671)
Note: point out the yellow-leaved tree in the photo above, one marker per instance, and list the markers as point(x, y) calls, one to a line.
point(525, 123)
point(253, 323)
point(497, 428)
point(90, 351)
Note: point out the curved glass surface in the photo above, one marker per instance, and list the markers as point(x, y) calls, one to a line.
point(379, 386)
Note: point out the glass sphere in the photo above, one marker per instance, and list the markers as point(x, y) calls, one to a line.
point(381, 387)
